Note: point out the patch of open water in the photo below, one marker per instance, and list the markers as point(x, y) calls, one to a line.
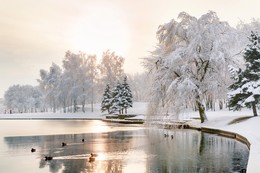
point(120, 148)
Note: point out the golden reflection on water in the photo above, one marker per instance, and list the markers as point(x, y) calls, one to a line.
point(99, 126)
point(120, 148)
point(54, 127)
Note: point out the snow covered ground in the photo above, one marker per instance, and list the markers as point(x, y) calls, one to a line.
point(138, 108)
point(249, 128)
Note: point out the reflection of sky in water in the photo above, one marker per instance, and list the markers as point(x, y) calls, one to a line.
point(120, 148)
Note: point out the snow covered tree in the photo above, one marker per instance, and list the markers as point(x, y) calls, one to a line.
point(245, 91)
point(139, 83)
point(111, 68)
point(23, 98)
point(117, 99)
point(107, 99)
point(63, 93)
point(92, 75)
point(75, 72)
point(190, 62)
point(126, 96)
point(49, 85)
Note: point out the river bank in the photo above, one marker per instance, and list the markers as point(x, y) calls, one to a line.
point(240, 122)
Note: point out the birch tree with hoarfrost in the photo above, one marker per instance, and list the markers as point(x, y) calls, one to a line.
point(49, 85)
point(92, 74)
point(23, 98)
point(190, 62)
point(111, 68)
point(75, 71)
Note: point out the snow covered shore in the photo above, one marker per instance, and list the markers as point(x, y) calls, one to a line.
point(248, 127)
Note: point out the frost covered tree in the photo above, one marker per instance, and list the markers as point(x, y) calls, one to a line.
point(23, 98)
point(111, 68)
point(92, 74)
point(139, 83)
point(71, 86)
point(190, 62)
point(49, 84)
point(75, 72)
point(245, 91)
point(126, 96)
point(107, 99)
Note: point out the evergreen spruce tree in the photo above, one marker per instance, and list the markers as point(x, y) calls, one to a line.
point(245, 91)
point(126, 96)
point(117, 99)
point(107, 98)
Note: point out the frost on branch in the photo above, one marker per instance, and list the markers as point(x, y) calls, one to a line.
point(190, 63)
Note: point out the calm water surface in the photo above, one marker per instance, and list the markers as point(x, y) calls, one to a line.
point(120, 148)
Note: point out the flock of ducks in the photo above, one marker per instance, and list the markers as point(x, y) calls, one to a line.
point(63, 144)
point(92, 155)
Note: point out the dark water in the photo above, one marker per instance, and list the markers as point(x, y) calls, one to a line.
point(120, 148)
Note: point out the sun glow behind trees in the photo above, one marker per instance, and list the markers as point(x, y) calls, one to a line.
point(34, 34)
point(80, 81)
point(105, 28)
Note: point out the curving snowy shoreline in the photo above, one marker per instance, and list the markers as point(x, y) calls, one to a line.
point(249, 128)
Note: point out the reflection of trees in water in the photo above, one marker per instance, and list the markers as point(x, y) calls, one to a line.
point(220, 154)
point(195, 152)
point(188, 151)
point(67, 158)
point(22, 142)
point(54, 165)
point(172, 155)
point(112, 143)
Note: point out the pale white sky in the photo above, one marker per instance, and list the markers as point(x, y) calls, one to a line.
point(35, 33)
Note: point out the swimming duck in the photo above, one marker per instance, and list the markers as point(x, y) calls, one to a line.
point(166, 135)
point(93, 154)
point(91, 159)
point(48, 158)
point(33, 150)
point(63, 144)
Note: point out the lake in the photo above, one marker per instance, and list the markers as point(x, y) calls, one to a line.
point(120, 148)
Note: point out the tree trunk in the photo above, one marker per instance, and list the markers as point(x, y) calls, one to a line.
point(92, 98)
point(54, 107)
point(64, 107)
point(75, 106)
point(220, 105)
point(83, 106)
point(201, 108)
point(254, 109)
